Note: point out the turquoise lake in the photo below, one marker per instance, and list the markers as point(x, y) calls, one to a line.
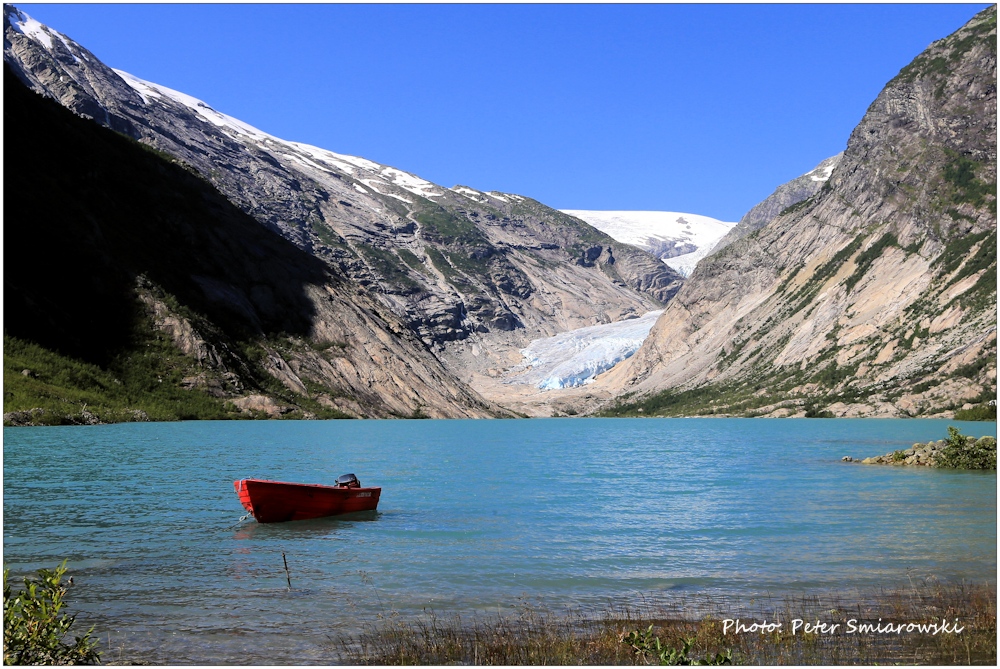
point(474, 516)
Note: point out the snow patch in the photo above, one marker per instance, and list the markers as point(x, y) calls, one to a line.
point(574, 358)
point(824, 175)
point(306, 155)
point(409, 182)
point(148, 88)
point(342, 162)
point(371, 184)
point(144, 90)
point(26, 25)
point(69, 48)
point(305, 162)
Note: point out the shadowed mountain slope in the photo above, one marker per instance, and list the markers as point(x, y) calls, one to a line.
point(111, 246)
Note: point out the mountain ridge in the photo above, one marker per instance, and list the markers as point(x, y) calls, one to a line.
point(874, 297)
point(859, 288)
point(786, 195)
point(145, 259)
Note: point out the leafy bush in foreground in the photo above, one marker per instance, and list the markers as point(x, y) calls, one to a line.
point(961, 452)
point(33, 628)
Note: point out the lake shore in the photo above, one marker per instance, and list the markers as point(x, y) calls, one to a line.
point(927, 624)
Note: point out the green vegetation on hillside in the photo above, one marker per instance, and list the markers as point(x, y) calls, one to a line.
point(446, 228)
point(960, 172)
point(793, 389)
point(926, 65)
point(387, 265)
point(865, 259)
point(979, 412)
point(141, 383)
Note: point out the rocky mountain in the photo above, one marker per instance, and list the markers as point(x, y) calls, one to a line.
point(874, 297)
point(131, 283)
point(680, 240)
point(784, 196)
point(475, 274)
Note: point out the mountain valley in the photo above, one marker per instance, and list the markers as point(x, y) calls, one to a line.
point(283, 279)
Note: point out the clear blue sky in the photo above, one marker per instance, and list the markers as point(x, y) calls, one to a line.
point(696, 108)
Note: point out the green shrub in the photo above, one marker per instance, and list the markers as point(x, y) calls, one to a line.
point(813, 411)
point(644, 644)
point(34, 628)
point(961, 452)
point(980, 412)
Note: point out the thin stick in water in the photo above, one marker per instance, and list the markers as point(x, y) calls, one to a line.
point(287, 576)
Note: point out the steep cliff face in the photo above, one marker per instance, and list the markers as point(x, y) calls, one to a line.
point(112, 248)
point(877, 295)
point(784, 196)
point(464, 269)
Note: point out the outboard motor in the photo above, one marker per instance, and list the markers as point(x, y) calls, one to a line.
point(348, 481)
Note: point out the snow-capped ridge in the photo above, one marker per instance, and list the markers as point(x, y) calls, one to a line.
point(26, 25)
point(304, 154)
point(823, 172)
point(41, 33)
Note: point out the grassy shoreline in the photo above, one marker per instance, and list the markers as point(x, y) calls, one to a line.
point(694, 627)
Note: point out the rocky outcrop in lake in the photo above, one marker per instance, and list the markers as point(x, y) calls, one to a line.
point(941, 453)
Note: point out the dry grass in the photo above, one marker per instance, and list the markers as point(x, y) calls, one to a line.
point(534, 636)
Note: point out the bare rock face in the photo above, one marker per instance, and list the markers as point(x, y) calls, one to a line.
point(786, 195)
point(877, 295)
point(457, 265)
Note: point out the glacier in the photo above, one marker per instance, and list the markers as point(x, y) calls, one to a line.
point(665, 234)
point(574, 358)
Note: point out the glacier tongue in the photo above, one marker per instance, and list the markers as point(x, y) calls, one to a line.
point(574, 358)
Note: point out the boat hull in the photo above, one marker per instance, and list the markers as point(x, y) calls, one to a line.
point(277, 501)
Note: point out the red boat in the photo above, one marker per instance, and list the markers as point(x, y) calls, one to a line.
point(276, 501)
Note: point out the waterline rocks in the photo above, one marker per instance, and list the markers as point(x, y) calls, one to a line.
point(940, 453)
